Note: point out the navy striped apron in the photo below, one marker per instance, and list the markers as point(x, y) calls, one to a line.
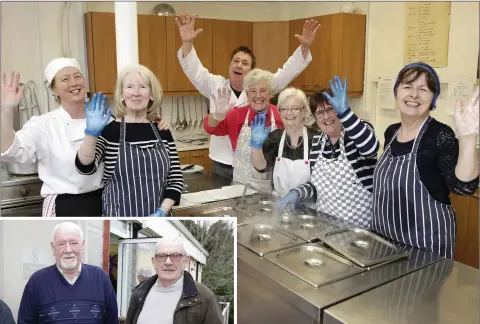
point(138, 182)
point(403, 210)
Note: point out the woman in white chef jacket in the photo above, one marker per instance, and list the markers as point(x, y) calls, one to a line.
point(53, 140)
point(342, 157)
point(284, 150)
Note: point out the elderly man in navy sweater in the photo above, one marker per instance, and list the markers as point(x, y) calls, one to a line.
point(68, 291)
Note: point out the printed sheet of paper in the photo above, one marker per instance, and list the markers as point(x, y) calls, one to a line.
point(426, 37)
point(460, 89)
point(385, 97)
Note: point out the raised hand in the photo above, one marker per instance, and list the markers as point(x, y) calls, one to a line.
point(339, 99)
point(222, 103)
point(259, 132)
point(310, 29)
point(466, 116)
point(186, 26)
point(95, 114)
point(11, 92)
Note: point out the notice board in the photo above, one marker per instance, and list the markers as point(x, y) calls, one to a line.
point(427, 28)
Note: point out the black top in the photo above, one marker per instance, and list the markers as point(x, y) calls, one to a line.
point(141, 134)
point(436, 160)
point(272, 143)
point(236, 92)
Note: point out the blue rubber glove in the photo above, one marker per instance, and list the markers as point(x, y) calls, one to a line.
point(339, 100)
point(291, 198)
point(159, 212)
point(259, 132)
point(95, 114)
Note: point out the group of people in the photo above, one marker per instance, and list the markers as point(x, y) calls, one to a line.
point(404, 196)
point(70, 286)
point(91, 165)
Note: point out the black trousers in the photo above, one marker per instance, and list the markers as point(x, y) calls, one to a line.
point(222, 174)
point(86, 204)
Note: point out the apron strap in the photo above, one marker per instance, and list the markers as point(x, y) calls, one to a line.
point(305, 144)
point(155, 130)
point(419, 136)
point(280, 146)
point(122, 132)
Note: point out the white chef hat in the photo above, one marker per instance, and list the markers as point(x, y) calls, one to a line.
point(57, 64)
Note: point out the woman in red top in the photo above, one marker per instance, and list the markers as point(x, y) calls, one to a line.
point(235, 122)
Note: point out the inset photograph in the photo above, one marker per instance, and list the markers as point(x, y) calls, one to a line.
point(117, 271)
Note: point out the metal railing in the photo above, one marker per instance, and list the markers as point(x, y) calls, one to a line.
point(225, 311)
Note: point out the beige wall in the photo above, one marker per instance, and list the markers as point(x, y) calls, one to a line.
point(25, 248)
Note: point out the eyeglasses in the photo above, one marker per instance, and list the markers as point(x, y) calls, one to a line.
point(63, 245)
point(283, 110)
point(174, 257)
point(329, 111)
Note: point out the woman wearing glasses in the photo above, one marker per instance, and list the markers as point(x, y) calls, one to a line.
point(342, 160)
point(284, 150)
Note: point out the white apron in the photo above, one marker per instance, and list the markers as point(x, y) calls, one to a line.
point(339, 192)
point(243, 170)
point(289, 174)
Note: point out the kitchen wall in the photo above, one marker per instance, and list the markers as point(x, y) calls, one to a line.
point(38, 24)
point(31, 37)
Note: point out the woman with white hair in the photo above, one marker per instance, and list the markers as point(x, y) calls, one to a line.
point(142, 174)
point(223, 120)
point(284, 150)
point(52, 141)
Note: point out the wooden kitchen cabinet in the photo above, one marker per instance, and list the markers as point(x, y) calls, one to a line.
point(184, 157)
point(467, 245)
point(338, 49)
point(152, 45)
point(270, 44)
point(228, 35)
point(198, 157)
point(176, 79)
point(101, 51)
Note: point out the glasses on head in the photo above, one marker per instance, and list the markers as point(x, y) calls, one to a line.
point(173, 257)
point(283, 110)
point(330, 112)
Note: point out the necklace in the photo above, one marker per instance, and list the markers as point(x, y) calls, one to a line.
point(294, 146)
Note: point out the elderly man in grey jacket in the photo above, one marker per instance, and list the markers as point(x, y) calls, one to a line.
point(172, 296)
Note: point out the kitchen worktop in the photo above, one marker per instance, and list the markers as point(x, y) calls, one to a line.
point(257, 274)
point(443, 292)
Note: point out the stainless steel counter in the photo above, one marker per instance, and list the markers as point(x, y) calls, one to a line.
point(263, 287)
point(444, 292)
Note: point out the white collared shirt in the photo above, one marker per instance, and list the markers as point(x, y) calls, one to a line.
point(74, 279)
point(207, 84)
point(53, 139)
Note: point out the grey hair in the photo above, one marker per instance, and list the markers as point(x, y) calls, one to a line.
point(292, 92)
point(69, 226)
point(145, 273)
point(296, 93)
point(171, 240)
point(257, 76)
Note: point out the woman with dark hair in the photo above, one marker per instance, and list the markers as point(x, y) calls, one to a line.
point(342, 158)
point(422, 163)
